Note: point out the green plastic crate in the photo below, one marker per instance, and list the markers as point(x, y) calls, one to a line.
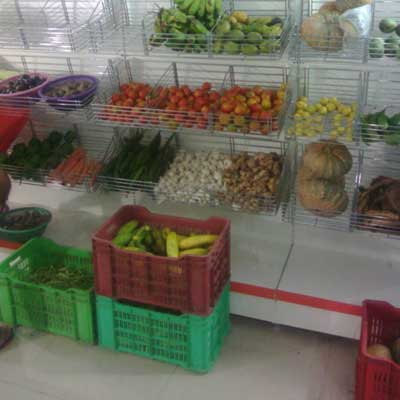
point(190, 341)
point(68, 312)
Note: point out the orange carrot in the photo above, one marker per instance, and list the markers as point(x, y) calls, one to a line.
point(75, 172)
point(97, 170)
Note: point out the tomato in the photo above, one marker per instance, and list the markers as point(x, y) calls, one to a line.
point(128, 103)
point(124, 87)
point(183, 108)
point(186, 90)
point(240, 110)
point(143, 94)
point(171, 107)
point(265, 116)
point(183, 103)
point(254, 126)
point(227, 107)
point(240, 98)
point(201, 101)
point(213, 97)
point(115, 97)
point(198, 93)
point(180, 94)
point(205, 109)
point(256, 108)
point(174, 99)
point(224, 119)
point(206, 86)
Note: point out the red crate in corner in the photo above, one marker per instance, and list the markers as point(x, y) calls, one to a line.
point(378, 379)
point(190, 284)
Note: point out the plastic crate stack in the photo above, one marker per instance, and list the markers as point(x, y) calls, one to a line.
point(169, 309)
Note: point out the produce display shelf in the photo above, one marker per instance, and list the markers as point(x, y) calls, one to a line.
point(199, 195)
point(336, 222)
point(57, 25)
point(381, 95)
point(378, 217)
point(95, 141)
point(315, 84)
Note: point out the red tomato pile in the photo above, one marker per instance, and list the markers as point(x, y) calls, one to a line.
point(254, 109)
point(238, 109)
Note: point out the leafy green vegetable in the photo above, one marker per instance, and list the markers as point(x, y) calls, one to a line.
point(61, 277)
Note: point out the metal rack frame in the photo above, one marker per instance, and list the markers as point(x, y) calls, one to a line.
point(57, 25)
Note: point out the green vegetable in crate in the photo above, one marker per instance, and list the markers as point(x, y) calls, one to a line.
point(197, 241)
point(172, 245)
point(61, 277)
point(198, 251)
point(391, 46)
point(121, 240)
point(128, 228)
point(159, 245)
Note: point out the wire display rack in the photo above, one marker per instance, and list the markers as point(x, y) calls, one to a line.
point(212, 44)
point(382, 47)
point(57, 25)
point(54, 67)
point(200, 194)
point(162, 75)
point(376, 210)
point(94, 140)
point(339, 221)
point(381, 97)
point(311, 85)
point(334, 46)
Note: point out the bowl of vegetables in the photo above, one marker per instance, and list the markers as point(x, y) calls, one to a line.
point(70, 92)
point(22, 89)
point(22, 224)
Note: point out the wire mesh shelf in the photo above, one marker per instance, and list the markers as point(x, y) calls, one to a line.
point(343, 188)
point(227, 37)
point(382, 49)
point(380, 110)
point(321, 33)
point(202, 106)
point(54, 67)
point(209, 188)
point(377, 195)
point(57, 25)
point(325, 105)
point(94, 140)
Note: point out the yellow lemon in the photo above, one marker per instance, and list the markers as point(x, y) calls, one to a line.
point(337, 124)
point(312, 109)
point(323, 110)
point(333, 134)
point(301, 105)
point(331, 107)
point(324, 100)
point(340, 130)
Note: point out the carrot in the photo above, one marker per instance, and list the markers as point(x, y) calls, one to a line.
point(98, 167)
point(85, 172)
point(75, 172)
point(72, 164)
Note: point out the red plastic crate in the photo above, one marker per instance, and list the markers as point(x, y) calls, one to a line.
point(190, 284)
point(378, 379)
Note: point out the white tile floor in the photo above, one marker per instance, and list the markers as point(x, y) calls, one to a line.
point(259, 361)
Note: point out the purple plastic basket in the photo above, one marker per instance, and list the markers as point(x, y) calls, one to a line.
point(25, 97)
point(69, 103)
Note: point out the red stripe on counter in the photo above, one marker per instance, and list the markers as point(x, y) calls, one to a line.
point(317, 302)
point(9, 245)
point(296, 298)
point(253, 290)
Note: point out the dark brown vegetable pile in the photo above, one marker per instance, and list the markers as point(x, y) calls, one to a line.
point(379, 204)
point(25, 82)
point(22, 220)
point(70, 88)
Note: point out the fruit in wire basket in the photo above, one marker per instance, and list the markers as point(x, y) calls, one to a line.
point(322, 31)
point(379, 205)
point(320, 117)
point(254, 35)
point(327, 160)
point(322, 197)
point(387, 25)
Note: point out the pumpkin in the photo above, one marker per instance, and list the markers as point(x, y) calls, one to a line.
point(327, 160)
point(322, 197)
point(343, 5)
point(322, 31)
point(305, 174)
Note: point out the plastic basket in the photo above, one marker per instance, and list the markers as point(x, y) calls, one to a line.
point(62, 312)
point(378, 379)
point(24, 235)
point(190, 341)
point(190, 284)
